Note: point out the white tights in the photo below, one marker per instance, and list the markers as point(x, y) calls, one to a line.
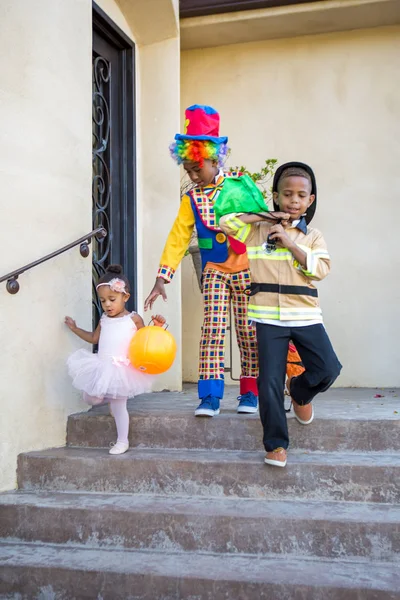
point(119, 411)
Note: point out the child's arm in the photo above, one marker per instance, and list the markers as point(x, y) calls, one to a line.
point(313, 261)
point(239, 225)
point(262, 216)
point(137, 319)
point(178, 240)
point(174, 250)
point(318, 262)
point(87, 336)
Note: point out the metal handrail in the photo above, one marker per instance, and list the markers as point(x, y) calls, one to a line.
point(11, 278)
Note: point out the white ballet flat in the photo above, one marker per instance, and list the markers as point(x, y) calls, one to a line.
point(119, 448)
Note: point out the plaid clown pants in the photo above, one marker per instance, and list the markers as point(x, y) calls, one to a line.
point(219, 289)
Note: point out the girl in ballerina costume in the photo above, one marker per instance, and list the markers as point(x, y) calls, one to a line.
point(108, 376)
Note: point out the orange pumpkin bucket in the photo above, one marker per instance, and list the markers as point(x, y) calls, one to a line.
point(152, 350)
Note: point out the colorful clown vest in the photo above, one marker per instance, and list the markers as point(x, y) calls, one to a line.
point(213, 243)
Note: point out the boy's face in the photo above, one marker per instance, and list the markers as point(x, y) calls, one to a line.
point(294, 196)
point(201, 176)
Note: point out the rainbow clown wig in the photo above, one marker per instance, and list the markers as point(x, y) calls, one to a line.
point(198, 151)
point(200, 140)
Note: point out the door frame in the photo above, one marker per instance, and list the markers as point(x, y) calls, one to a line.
point(103, 25)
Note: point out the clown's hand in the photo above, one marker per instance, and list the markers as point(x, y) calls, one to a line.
point(158, 290)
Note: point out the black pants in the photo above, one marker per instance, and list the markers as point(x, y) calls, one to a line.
point(321, 369)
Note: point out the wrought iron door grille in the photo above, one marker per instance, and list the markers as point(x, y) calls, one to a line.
point(114, 171)
point(101, 183)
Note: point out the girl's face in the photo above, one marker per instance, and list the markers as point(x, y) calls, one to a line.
point(201, 176)
point(113, 303)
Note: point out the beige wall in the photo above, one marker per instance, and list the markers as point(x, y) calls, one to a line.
point(45, 157)
point(332, 101)
point(159, 193)
point(45, 202)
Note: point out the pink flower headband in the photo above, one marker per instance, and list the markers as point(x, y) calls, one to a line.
point(116, 285)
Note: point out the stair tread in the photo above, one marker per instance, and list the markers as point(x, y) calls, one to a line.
point(230, 414)
point(296, 457)
point(212, 521)
point(350, 574)
point(335, 404)
point(249, 508)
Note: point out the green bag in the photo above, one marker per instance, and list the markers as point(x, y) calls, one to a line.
point(239, 195)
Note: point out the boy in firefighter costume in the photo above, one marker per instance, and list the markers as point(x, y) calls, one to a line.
point(285, 261)
point(226, 275)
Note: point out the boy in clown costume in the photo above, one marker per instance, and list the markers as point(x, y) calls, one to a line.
point(226, 275)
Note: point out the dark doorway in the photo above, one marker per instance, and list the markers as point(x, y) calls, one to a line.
point(114, 160)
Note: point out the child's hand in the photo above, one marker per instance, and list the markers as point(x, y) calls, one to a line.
point(158, 320)
point(278, 233)
point(274, 215)
point(280, 215)
point(70, 323)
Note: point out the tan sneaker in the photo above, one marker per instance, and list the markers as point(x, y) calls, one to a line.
point(277, 457)
point(304, 414)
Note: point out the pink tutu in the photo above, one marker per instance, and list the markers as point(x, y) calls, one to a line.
point(109, 373)
point(104, 377)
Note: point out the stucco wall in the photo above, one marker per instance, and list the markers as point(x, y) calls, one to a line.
point(332, 101)
point(45, 202)
point(45, 157)
point(159, 192)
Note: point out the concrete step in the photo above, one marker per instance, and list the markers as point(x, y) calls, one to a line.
point(47, 572)
point(369, 477)
point(232, 432)
point(178, 524)
point(344, 420)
